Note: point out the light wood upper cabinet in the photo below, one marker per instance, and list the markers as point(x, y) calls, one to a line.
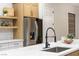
point(34, 11)
point(31, 10)
point(27, 10)
point(21, 10)
point(18, 8)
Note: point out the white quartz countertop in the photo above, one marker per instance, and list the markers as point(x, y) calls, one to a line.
point(36, 50)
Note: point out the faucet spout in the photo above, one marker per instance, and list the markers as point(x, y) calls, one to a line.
point(46, 43)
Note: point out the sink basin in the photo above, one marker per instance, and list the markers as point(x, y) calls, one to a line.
point(56, 49)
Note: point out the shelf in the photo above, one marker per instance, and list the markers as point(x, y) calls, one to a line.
point(7, 17)
point(8, 27)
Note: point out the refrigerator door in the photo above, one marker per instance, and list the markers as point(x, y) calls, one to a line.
point(32, 31)
point(26, 31)
point(40, 31)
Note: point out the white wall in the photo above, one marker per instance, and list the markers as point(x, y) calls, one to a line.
point(77, 22)
point(46, 13)
point(59, 18)
point(60, 21)
point(5, 33)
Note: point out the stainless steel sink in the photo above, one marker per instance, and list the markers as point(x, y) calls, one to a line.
point(56, 49)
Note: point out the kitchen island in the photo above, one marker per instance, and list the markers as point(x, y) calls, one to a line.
point(37, 50)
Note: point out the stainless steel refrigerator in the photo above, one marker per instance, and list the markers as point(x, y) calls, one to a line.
point(32, 31)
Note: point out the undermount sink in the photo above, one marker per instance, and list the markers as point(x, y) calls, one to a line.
point(56, 49)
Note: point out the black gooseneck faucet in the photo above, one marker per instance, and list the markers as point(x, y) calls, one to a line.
point(46, 43)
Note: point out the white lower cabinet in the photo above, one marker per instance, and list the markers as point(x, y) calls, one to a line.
point(14, 44)
point(3, 46)
point(10, 45)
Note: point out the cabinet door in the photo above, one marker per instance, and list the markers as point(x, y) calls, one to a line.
point(27, 9)
point(76, 53)
point(18, 9)
point(35, 10)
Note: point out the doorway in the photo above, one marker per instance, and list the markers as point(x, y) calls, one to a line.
point(71, 23)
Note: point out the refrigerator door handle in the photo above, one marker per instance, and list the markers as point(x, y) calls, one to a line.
point(36, 33)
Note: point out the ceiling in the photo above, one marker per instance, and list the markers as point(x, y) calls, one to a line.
point(71, 4)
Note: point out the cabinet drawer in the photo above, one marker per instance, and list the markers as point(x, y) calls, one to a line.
point(14, 43)
point(3, 45)
point(10, 45)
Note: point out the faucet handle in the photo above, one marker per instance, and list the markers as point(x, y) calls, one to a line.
point(48, 45)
